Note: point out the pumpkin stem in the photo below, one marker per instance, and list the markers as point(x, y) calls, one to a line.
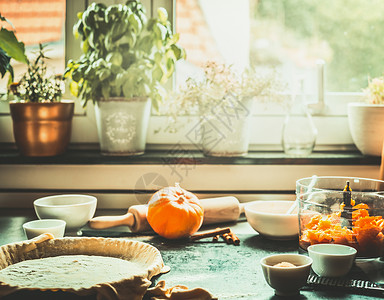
point(179, 190)
point(181, 199)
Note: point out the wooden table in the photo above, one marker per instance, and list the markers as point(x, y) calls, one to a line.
point(227, 271)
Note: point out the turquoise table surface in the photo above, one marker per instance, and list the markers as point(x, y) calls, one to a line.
point(227, 271)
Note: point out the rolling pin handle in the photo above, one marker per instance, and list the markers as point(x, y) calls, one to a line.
point(242, 205)
point(112, 221)
point(139, 213)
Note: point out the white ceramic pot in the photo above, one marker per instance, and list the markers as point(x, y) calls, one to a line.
point(225, 129)
point(122, 125)
point(366, 123)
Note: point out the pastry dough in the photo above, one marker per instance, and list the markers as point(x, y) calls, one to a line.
point(143, 261)
point(70, 271)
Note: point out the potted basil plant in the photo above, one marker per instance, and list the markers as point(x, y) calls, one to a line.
point(125, 62)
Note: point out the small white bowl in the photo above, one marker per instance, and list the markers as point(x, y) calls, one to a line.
point(286, 281)
point(269, 218)
point(75, 210)
point(332, 260)
point(35, 228)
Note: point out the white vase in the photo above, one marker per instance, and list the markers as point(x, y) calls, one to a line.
point(225, 129)
point(122, 125)
point(366, 123)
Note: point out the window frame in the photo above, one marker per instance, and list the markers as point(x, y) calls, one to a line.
point(267, 122)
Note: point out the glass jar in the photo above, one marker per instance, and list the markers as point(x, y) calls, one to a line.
point(299, 131)
point(331, 213)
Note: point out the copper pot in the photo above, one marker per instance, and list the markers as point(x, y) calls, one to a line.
point(42, 129)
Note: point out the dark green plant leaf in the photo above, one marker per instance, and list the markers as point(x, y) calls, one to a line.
point(105, 89)
point(114, 58)
point(170, 67)
point(135, 22)
point(178, 51)
point(4, 62)
point(3, 18)
point(104, 74)
point(11, 46)
point(76, 75)
point(6, 20)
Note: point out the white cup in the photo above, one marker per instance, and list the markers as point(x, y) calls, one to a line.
point(286, 281)
point(331, 260)
point(37, 227)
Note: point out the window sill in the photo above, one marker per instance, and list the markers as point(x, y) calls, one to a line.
point(119, 181)
point(189, 157)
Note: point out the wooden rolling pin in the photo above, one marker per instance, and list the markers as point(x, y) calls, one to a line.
point(216, 210)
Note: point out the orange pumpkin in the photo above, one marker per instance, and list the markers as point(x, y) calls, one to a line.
point(174, 212)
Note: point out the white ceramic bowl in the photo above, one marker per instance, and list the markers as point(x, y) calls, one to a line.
point(286, 281)
point(332, 260)
point(75, 210)
point(35, 228)
point(269, 219)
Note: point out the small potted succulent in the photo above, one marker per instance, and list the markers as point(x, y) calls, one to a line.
point(224, 100)
point(366, 118)
point(42, 121)
point(126, 59)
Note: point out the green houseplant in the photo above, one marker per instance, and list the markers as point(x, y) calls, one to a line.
point(42, 121)
point(126, 59)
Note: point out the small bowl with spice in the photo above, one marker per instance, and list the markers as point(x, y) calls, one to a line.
point(286, 273)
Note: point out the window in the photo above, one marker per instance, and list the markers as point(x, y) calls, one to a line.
point(38, 22)
point(290, 35)
point(296, 38)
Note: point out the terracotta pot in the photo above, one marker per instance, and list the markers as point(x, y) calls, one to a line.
point(42, 129)
point(366, 123)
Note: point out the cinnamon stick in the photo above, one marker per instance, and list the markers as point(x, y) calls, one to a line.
point(235, 239)
point(211, 233)
point(231, 238)
point(227, 238)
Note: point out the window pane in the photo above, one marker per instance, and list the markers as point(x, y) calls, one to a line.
point(37, 21)
point(290, 35)
point(207, 33)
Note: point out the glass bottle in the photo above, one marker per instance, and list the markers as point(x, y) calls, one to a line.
point(299, 131)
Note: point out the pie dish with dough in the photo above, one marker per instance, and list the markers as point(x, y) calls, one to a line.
point(108, 268)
